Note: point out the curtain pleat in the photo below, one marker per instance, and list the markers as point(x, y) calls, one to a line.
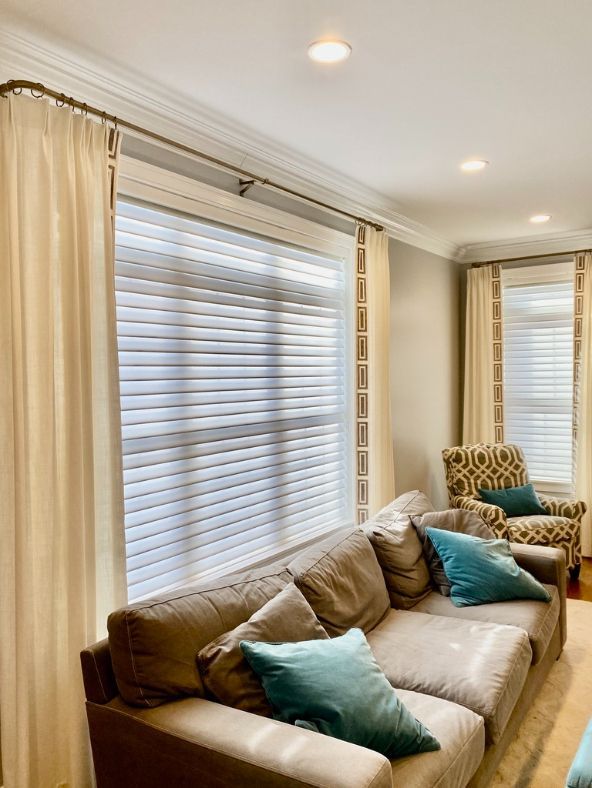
point(583, 391)
point(483, 382)
point(62, 560)
point(374, 441)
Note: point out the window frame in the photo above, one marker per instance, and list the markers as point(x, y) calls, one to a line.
point(146, 183)
point(560, 269)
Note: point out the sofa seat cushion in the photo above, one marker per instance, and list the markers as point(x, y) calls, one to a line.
point(462, 738)
point(478, 665)
point(342, 581)
point(538, 619)
point(543, 529)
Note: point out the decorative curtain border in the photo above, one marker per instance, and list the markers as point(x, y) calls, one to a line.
point(577, 348)
point(362, 501)
point(498, 353)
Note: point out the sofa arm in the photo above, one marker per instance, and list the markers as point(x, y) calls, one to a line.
point(198, 742)
point(494, 516)
point(547, 564)
point(559, 507)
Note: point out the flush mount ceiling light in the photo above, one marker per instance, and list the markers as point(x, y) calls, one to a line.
point(329, 51)
point(539, 218)
point(474, 165)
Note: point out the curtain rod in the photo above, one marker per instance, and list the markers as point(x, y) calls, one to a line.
point(528, 257)
point(247, 179)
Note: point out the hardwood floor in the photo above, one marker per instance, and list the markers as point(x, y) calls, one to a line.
point(582, 588)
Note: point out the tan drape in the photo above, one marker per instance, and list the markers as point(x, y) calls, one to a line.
point(374, 449)
point(583, 392)
point(62, 565)
point(483, 388)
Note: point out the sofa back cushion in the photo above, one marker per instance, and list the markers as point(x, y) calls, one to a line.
point(153, 643)
point(399, 550)
point(342, 582)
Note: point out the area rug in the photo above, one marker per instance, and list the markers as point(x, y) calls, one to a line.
point(548, 738)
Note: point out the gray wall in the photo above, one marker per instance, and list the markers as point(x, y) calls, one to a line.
point(425, 366)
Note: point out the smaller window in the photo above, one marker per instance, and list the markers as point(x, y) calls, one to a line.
point(538, 370)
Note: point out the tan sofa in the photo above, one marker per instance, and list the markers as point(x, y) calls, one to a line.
point(469, 674)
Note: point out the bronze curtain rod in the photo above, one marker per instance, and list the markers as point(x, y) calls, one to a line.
point(528, 257)
point(246, 178)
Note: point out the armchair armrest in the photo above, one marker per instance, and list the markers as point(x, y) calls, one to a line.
point(559, 507)
point(547, 564)
point(197, 742)
point(494, 516)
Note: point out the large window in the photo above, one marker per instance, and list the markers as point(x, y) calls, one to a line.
point(538, 369)
point(235, 400)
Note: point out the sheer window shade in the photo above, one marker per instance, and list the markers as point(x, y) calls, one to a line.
point(232, 353)
point(538, 370)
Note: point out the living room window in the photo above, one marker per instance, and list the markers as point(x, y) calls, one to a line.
point(538, 311)
point(235, 381)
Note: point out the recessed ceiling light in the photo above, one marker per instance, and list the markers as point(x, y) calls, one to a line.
point(474, 165)
point(329, 51)
point(539, 218)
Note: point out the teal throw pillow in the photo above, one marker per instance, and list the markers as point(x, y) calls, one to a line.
point(483, 570)
point(580, 773)
point(336, 687)
point(515, 501)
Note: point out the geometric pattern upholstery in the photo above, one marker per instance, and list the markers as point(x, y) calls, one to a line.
point(492, 466)
point(495, 466)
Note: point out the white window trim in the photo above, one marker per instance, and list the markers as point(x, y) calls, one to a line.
point(145, 182)
point(559, 270)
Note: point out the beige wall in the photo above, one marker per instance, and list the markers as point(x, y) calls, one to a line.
point(425, 373)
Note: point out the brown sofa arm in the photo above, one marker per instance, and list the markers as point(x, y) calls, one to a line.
point(547, 564)
point(196, 742)
point(494, 516)
point(559, 507)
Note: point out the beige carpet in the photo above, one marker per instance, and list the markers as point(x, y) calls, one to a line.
point(548, 738)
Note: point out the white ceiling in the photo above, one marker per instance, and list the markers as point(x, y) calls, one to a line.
point(429, 83)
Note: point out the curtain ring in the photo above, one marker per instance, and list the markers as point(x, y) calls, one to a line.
point(60, 102)
point(84, 110)
point(103, 117)
point(115, 122)
point(15, 91)
point(41, 91)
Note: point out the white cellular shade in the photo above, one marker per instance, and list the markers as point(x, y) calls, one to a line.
point(234, 396)
point(538, 374)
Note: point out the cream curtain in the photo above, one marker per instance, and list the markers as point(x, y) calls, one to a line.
point(583, 392)
point(375, 464)
point(483, 388)
point(62, 544)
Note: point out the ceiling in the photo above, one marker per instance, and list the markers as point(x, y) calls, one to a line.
point(428, 84)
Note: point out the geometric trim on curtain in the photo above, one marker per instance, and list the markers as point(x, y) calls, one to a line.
point(498, 354)
point(362, 501)
point(577, 349)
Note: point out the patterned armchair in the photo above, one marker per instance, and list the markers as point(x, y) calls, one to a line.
point(495, 466)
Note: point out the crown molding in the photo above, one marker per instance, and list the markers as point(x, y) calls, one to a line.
point(528, 246)
point(25, 55)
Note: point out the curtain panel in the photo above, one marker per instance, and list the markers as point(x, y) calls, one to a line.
point(62, 561)
point(483, 411)
point(375, 475)
point(582, 419)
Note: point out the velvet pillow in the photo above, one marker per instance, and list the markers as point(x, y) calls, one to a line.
point(224, 671)
point(457, 520)
point(336, 687)
point(483, 570)
point(515, 501)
